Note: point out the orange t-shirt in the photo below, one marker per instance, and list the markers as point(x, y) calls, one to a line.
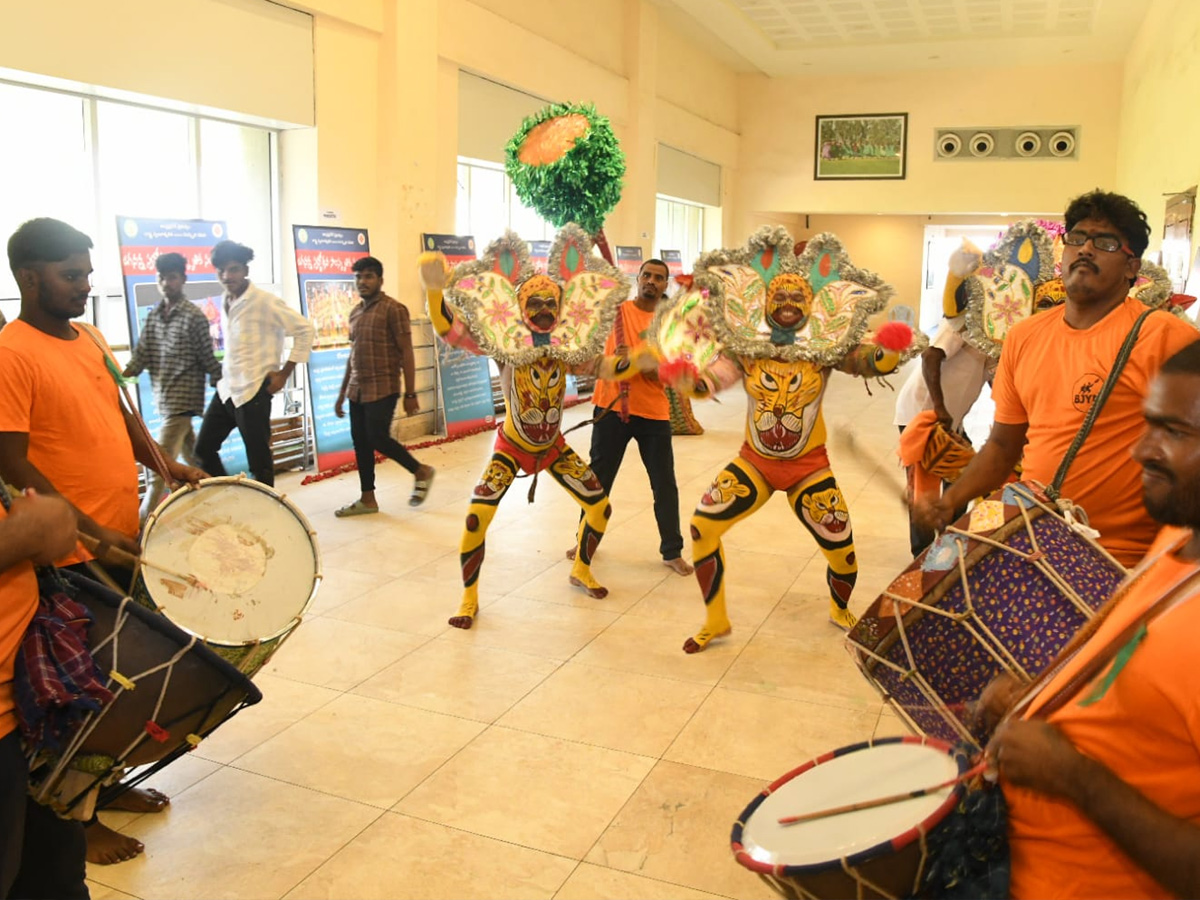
point(646, 398)
point(1048, 375)
point(1146, 729)
point(18, 601)
point(60, 394)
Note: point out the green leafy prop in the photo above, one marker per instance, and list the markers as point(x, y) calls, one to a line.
point(566, 165)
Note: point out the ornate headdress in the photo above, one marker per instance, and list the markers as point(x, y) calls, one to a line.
point(489, 294)
point(1003, 290)
point(742, 284)
point(1153, 285)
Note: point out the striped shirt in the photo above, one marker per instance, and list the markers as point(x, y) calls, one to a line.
point(255, 326)
point(380, 335)
point(176, 349)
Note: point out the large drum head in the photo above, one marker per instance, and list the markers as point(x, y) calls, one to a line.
point(253, 564)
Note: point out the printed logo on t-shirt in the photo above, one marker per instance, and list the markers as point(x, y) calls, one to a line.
point(1083, 394)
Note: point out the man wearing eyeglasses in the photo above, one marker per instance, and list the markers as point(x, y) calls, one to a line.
point(1053, 366)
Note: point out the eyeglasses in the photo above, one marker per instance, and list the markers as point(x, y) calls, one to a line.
point(1109, 243)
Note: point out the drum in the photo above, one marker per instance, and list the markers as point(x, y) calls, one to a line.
point(1001, 590)
point(877, 852)
point(169, 692)
point(232, 562)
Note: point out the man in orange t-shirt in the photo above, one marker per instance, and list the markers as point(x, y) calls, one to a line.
point(1102, 774)
point(1054, 364)
point(640, 412)
point(41, 855)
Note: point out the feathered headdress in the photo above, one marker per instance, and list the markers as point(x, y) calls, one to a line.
point(487, 294)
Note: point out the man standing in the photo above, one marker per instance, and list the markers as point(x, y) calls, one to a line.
point(255, 325)
point(1054, 364)
point(380, 349)
point(176, 349)
point(640, 412)
point(62, 429)
point(1102, 771)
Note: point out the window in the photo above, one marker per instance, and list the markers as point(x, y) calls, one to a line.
point(679, 226)
point(487, 204)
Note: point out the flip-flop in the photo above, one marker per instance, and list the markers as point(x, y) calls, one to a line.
point(421, 489)
point(357, 508)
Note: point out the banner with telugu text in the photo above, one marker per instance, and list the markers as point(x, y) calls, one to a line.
point(142, 242)
point(464, 379)
point(325, 259)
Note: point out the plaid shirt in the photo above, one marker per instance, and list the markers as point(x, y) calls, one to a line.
point(176, 349)
point(379, 333)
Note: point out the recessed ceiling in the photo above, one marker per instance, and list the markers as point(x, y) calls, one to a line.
point(810, 37)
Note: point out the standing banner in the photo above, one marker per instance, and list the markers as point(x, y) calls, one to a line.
point(464, 379)
point(539, 255)
point(325, 260)
point(629, 261)
point(674, 261)
point(142, 242)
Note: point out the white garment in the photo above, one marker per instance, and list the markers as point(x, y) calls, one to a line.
point(255, 326)
point(964, 372)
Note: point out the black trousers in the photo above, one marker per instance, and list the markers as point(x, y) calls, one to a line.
point(253, 422)
point(371, 430)
point(610, 437)
point(41, 855)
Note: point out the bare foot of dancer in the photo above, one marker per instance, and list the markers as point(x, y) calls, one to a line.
point(106, 847)
point(841, 617)
point(702, 639)
point(589, 584)
point(570, 554)
point(679, 566)
point(467, 612)
point(140, 800)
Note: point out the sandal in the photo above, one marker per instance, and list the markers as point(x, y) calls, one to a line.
point(421, 488)
point(357, 508)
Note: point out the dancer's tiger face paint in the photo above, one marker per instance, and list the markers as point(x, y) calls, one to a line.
point(789, 300)
point(540, 298)
point(1049, 295)
point(785, 399)
point(536, 400)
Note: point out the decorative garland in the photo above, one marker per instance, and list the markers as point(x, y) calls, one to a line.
point(566, 164)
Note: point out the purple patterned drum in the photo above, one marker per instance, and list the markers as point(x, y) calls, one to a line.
point(1003, 589)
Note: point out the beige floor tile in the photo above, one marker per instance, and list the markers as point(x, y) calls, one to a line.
point(284, 702)
point(676, 829)
point(890, 725)
point(590, 882)
point(361, 749)
point(99, 891)
point(341, 585)
point(678, 599)
point(181, 775)
point(236, 835)
point(787, 733)
point(815, 667)
point(334, 654)
point(388, 555)
point(550, 630)
point(413, 604)
point(536, 791)
point(399, 856)
point(627, 583)
point(652, 647)
point(635, 713)
point(445, 676)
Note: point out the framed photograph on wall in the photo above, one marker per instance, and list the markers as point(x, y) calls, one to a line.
point(860, 147)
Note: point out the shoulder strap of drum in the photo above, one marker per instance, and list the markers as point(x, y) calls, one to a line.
point(1053, 491)
point(622, 386)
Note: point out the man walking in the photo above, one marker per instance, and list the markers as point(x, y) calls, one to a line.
point(255, 325)
point(380, 349)
point(175, 348)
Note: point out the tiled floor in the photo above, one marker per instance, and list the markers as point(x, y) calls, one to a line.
point(565, 747)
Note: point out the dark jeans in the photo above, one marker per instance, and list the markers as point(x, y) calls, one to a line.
point(371, 430)
point(253, 422)
point(610, 437)
point(41, 855)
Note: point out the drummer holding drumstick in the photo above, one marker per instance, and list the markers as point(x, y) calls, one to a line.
point(1054, 364)
point(62, 428)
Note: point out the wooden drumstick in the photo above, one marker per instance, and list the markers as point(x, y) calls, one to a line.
point(117, 556)
point(977, 769)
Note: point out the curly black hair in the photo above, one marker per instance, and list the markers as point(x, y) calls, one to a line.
point(1122, 212)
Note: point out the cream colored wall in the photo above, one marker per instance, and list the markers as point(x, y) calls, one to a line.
point(1159, 132)
point(777, 119)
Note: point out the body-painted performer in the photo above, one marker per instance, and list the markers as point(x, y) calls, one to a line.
point(781, 324)
point(537, 328)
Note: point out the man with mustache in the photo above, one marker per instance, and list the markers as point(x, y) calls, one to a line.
point(380, 350)
point(1101, 769)
point(1051, 369)
point(641, 412)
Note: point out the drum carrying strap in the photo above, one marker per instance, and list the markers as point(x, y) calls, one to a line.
point(1053, 491)
point(622, 386)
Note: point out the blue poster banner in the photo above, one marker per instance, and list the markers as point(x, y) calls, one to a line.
point(464, 379)
point(325, 260)
point(142, 242)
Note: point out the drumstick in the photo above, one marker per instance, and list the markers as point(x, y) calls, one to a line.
point(977, 769)
point(123, 558)
point(843, 435)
